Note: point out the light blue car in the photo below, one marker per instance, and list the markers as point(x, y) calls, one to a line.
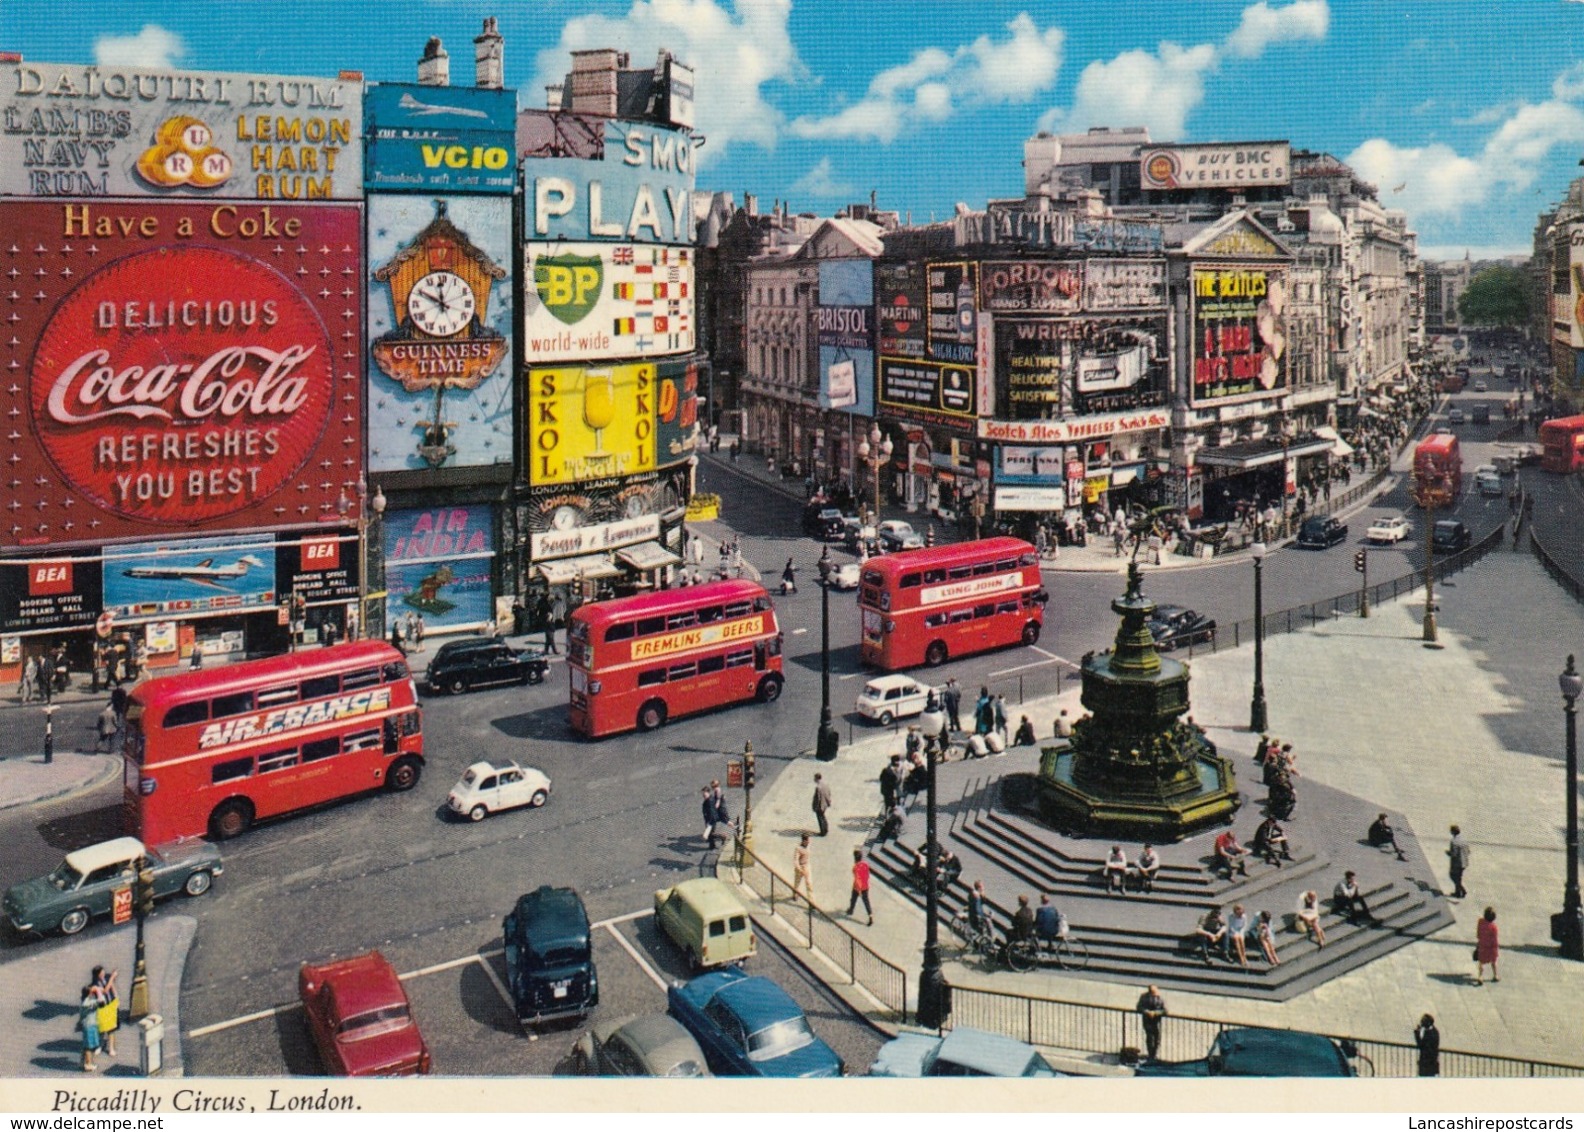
point(963, 1052)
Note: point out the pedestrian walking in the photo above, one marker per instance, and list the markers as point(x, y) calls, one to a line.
point(860, 886)
point(1151, 1009)
point(822, 803)
point(891, 779)
point(999, 717)
point(1487, 948)
point(398, 642)
point(983, 712)
point(109, 1014)
point(707, 808)
point(107, 727)
point(1428, 1039)
point(800, 869)
point(29, 679)
point(88, 1024)
point(1458, 858)
point(789, 578)
point(951, 695)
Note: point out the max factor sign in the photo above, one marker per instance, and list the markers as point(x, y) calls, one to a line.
point(90, 131)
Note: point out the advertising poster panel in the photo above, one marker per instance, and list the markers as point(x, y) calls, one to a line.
point(1031, 286)
point(953, 311)
point(183, 577)
point(1123, 284)
point(1239, 332)
point(899, 309)
point(590, 422)
point(75, 131)
point(1031, 467)
point(676, 410)
point(606, 301)
point(603, 514)
point(452, 139)
point(845, 330)
point(1046, 368)
point(928, 391)
point(1234, 165)
point(635, 188)
point(60, 593)
point(440, 328)
point(438, 564)
point(187, 366)
point(319, 569)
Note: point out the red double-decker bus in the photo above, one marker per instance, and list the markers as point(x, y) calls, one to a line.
point(923, 606)
point(1438, 471)
point(1562, 445)
point(214, 750)
point(639, 661)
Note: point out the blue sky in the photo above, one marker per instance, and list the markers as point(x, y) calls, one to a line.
point(1469, 115)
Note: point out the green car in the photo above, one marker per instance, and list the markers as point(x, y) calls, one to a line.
point(84, 884)
point(706, 920)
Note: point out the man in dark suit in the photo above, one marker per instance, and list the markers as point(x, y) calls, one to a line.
point(951, 696)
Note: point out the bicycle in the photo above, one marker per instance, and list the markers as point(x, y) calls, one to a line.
point(1071, 954)
point(980, 941)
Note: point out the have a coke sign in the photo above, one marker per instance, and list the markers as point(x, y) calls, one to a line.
point(203, 378)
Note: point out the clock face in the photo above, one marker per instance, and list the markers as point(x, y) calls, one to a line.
point(441, 304)
point(564, 518)
point(636, 507)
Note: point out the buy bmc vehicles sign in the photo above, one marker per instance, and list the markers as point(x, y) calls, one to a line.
point(189, 366)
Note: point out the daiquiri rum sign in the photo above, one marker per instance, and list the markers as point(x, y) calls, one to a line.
point(189, 366)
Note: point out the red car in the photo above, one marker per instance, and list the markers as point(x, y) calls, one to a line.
point(360, 1018)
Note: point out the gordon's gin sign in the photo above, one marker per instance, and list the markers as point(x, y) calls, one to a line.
point(198, 379)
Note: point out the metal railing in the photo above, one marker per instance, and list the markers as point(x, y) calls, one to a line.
point(862, 965)
point(1306, 616)
point(1559, 573)
point(1085, 1028)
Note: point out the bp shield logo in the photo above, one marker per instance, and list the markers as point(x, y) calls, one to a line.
point(569, 285)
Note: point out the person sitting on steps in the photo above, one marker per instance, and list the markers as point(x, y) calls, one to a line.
point(1381, 835)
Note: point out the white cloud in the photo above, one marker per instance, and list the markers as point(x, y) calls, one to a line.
point(736, 49)
point(1139, 88)
point(1488, 116)
point(153, 47)
point(820, 181)
point(1263, 25)
point(1435, 179)
point(934, 84)
point(1569, 85)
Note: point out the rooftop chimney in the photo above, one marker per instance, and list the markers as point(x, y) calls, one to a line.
point(553, 93)
point(489, 57)
point(434, 69)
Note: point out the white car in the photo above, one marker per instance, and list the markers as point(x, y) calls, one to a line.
point(897, 534)
point(845, 576)
point(487, 787)
point(889, 698)
point(1393, 529)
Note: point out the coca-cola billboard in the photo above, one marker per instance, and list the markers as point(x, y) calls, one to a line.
point(189, 367)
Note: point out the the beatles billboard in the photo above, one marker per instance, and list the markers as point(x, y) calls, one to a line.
point(185, 367)
point(1239, 332)
point(441, 321)
point(93, 131)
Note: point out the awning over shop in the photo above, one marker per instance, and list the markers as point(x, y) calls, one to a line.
point(648, 556)
point(1124, 474)
point(564, 571)
point(1339, 447)
point(1258, 453)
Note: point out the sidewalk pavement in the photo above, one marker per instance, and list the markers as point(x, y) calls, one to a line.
point(1470, 733)
point(40, 990)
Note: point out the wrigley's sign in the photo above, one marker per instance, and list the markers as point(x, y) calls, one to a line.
point(1068, 431)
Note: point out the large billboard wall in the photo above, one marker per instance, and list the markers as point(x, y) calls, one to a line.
point(635, 185)
point(589, 301)
point(188, 367)
point(440, 139)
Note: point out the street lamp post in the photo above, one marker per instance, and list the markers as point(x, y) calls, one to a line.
point(934, 994)
point(49, 729)
point(829, 740)
point(745, 842)
point(1257, 716)
point(1427, 498)
point(875, 451)
point(373, 609)
point(1567, 927)
point(142, 905)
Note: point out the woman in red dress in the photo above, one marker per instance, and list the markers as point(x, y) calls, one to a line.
point(1487, 947)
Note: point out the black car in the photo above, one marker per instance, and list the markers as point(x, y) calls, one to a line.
point(1263, 1053)
point(1172, 625)
point(1451, 536)
point(823, 523)
point(1321, 532)
point(550, 956)
point(460, 665)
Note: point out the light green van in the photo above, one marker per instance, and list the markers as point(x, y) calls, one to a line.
point(706, 920)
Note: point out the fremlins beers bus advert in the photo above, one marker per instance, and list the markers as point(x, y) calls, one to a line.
point(190, 366)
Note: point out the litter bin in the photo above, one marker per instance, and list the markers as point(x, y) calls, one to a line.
point(151, 1038)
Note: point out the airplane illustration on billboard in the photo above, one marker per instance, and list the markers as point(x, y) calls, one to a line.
point(205, 573)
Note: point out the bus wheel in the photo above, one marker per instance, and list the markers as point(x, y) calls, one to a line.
point(651, 715)
point(769, 689)
point(230, 818)
point(935, 655)
point(403, 775)
point(1031, 633)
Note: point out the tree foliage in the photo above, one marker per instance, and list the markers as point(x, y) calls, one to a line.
point(1497, 296)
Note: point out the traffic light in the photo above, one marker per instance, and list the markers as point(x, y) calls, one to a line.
point(143, 888)
point(1358, 561)
point(748, 765)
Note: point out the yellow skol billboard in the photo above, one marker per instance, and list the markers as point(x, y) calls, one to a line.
point(590, 422)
